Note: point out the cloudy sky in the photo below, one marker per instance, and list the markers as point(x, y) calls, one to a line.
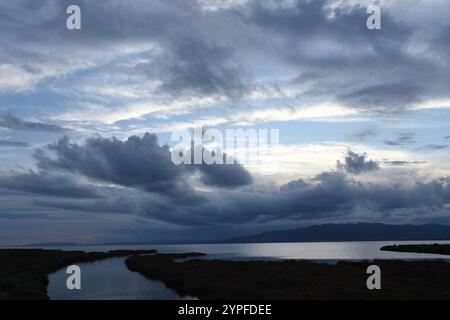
point(86, 116)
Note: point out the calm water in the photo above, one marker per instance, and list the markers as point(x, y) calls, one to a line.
point(309, 250)
point(110, 279)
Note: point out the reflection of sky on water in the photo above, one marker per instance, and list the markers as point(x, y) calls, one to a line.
point(108, 280)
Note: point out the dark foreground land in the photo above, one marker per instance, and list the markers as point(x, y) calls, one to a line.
point(24, 273)
point(216, 279)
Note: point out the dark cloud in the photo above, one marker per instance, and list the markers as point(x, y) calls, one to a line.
point(196, 67)
point(136, 162)
point(140, 165)
point(436, 146)
point(357, 163)
point(334, 192)
point(327, 196)
point(363, 134)
point(225, 175)
point(16, 144)
point(48, 184)
point(402, 163)
point(403, 139)
point(9, 121)
point(387, 95)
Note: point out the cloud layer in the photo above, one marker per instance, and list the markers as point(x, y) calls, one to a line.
point(309, 68)
point(136, 176)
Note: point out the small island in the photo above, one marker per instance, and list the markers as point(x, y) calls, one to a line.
point(442, 249)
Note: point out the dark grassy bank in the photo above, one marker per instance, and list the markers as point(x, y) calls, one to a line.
point(24, 272)
point(443, 249)
point(216, 279)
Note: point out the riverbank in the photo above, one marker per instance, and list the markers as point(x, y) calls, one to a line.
point(24, 272)
point(295, 279)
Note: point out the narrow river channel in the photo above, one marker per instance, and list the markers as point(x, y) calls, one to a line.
point(109, 280)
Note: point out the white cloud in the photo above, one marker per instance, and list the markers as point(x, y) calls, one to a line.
point(320, 112)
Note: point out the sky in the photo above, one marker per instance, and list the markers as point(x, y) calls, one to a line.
point(87, 117)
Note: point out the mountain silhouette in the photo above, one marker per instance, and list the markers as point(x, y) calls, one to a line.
point(351, 232)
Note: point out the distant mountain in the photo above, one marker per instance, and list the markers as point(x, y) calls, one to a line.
point(351, 232)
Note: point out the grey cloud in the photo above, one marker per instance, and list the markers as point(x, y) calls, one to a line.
point(195, 67)
point(205, 53)
point(188, 61)
point(208, 52)
point(136, 162)
point(365, 86)
point(22, 216)
point(402, 163)
point(48, 184)
point(357, 163)
point(328, 195)
point(387, 95)
point(436, 146)
point(17, 144)
point(225, 175)
point(9, 121)
point(144, 167)
point(120, 205)
point(335, 192)
point(363, 134)
point(403, 139)
point(393, 143)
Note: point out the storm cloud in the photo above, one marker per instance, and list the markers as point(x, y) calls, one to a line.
point(136, 162)
point(329, 195)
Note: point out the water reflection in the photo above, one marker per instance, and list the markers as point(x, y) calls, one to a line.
point(300, 250)
point(109, 280)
